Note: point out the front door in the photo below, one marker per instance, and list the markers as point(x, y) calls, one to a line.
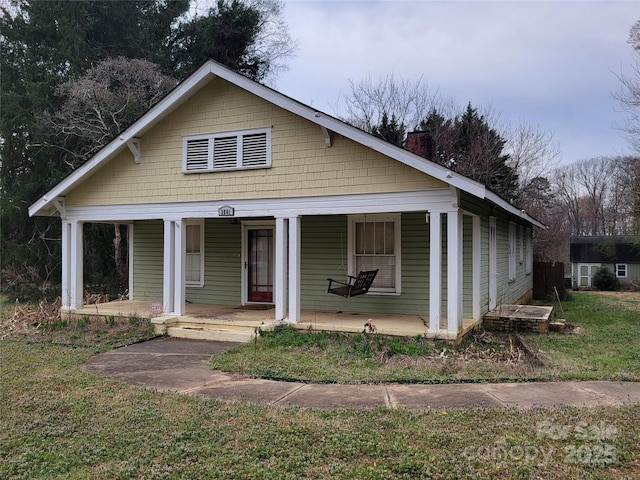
point(260, 264)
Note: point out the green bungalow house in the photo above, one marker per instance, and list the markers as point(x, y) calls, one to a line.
point(619, 253)
point(238, 195)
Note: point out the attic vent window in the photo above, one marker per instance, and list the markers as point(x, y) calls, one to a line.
point(247, 149)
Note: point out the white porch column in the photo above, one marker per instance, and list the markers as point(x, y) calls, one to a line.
point(66, 265)
point(75, 276)
point(454, 271)
point(280, 289)
point(168, 267)
point(476, 252)
point(435, 270)
point(294, 269)
point(179, 291)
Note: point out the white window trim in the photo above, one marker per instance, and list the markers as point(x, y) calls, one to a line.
point(626, 269)
point(239, 156)
point(529, 253)
point(521, 244)
point(199, 283)
point(512, 251)
point(388, 217)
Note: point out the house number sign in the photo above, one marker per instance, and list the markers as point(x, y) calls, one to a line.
point(225, 211)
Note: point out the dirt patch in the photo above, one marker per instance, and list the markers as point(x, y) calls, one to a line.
point(44, 322)
point(488, 348)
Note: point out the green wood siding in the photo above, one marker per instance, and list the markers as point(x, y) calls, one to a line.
point(508, 292)
point(222, 265)
point(467, 267)
point(633, 272)
point(324, 255)
point(324, 251)
point(148, 248)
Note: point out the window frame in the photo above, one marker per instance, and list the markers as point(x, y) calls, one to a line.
point(239, 135)
point(512, 252)
point(529, 252)
point(353, 220)
point(521, 244)
point(626, 270)
point(191, 223)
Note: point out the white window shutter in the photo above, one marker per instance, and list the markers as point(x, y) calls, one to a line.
point(254, 150)
point(225, 153)
point(197, 155)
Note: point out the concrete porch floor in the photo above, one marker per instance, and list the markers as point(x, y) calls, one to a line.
point(241, 323)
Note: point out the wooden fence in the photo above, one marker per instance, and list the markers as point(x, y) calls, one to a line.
point(546, 276)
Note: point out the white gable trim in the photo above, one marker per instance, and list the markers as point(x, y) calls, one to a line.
point(211, 70)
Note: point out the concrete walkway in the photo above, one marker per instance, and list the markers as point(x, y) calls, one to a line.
point(172, 364)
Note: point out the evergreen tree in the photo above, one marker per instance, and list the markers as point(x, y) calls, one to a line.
point(469, 146)
point(390, 130)
point(44, 45)
point(224, 35)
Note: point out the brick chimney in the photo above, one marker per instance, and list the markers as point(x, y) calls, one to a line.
point(420, 143)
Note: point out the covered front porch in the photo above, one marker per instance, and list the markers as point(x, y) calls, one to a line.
point(270, 253)
point(243, 323)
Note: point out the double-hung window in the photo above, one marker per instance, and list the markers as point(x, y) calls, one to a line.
point(621, 270)
point(241, 150)
point(194, 275)
point(374, 243)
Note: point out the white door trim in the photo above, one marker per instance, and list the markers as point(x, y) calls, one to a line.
point(253, 225)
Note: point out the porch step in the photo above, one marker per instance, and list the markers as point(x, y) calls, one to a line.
point(225, 333)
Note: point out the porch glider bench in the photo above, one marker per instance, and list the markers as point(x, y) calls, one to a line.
point(355, 285)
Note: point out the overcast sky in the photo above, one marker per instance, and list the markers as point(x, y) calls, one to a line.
point(551, 64)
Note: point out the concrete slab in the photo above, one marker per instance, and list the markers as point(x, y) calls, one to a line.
point(251, 390)
point(614, 393)
point(442, 396)
point(336, 396)
point(168, 345)
point(181, 365)
point(543, 394)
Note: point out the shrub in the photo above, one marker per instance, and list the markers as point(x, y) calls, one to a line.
point(604, 279)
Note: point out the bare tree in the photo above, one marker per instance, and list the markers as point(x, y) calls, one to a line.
point(104, 101)
point(600, 196)
point(629, 94)
point(623, 208)
point(409, 102)
point(594, 175)
point(532, 153)
point(273, 42)
point(567, 190)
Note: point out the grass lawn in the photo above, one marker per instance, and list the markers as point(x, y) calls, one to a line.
point(60, 422)
point(605, 345)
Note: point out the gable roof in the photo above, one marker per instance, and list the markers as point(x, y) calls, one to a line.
point(46, 205)
point(604, 249)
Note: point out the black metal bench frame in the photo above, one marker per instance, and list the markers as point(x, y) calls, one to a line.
point(355, 285)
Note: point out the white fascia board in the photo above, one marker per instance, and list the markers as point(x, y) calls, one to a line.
point(164, 107)
point(494, 198)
